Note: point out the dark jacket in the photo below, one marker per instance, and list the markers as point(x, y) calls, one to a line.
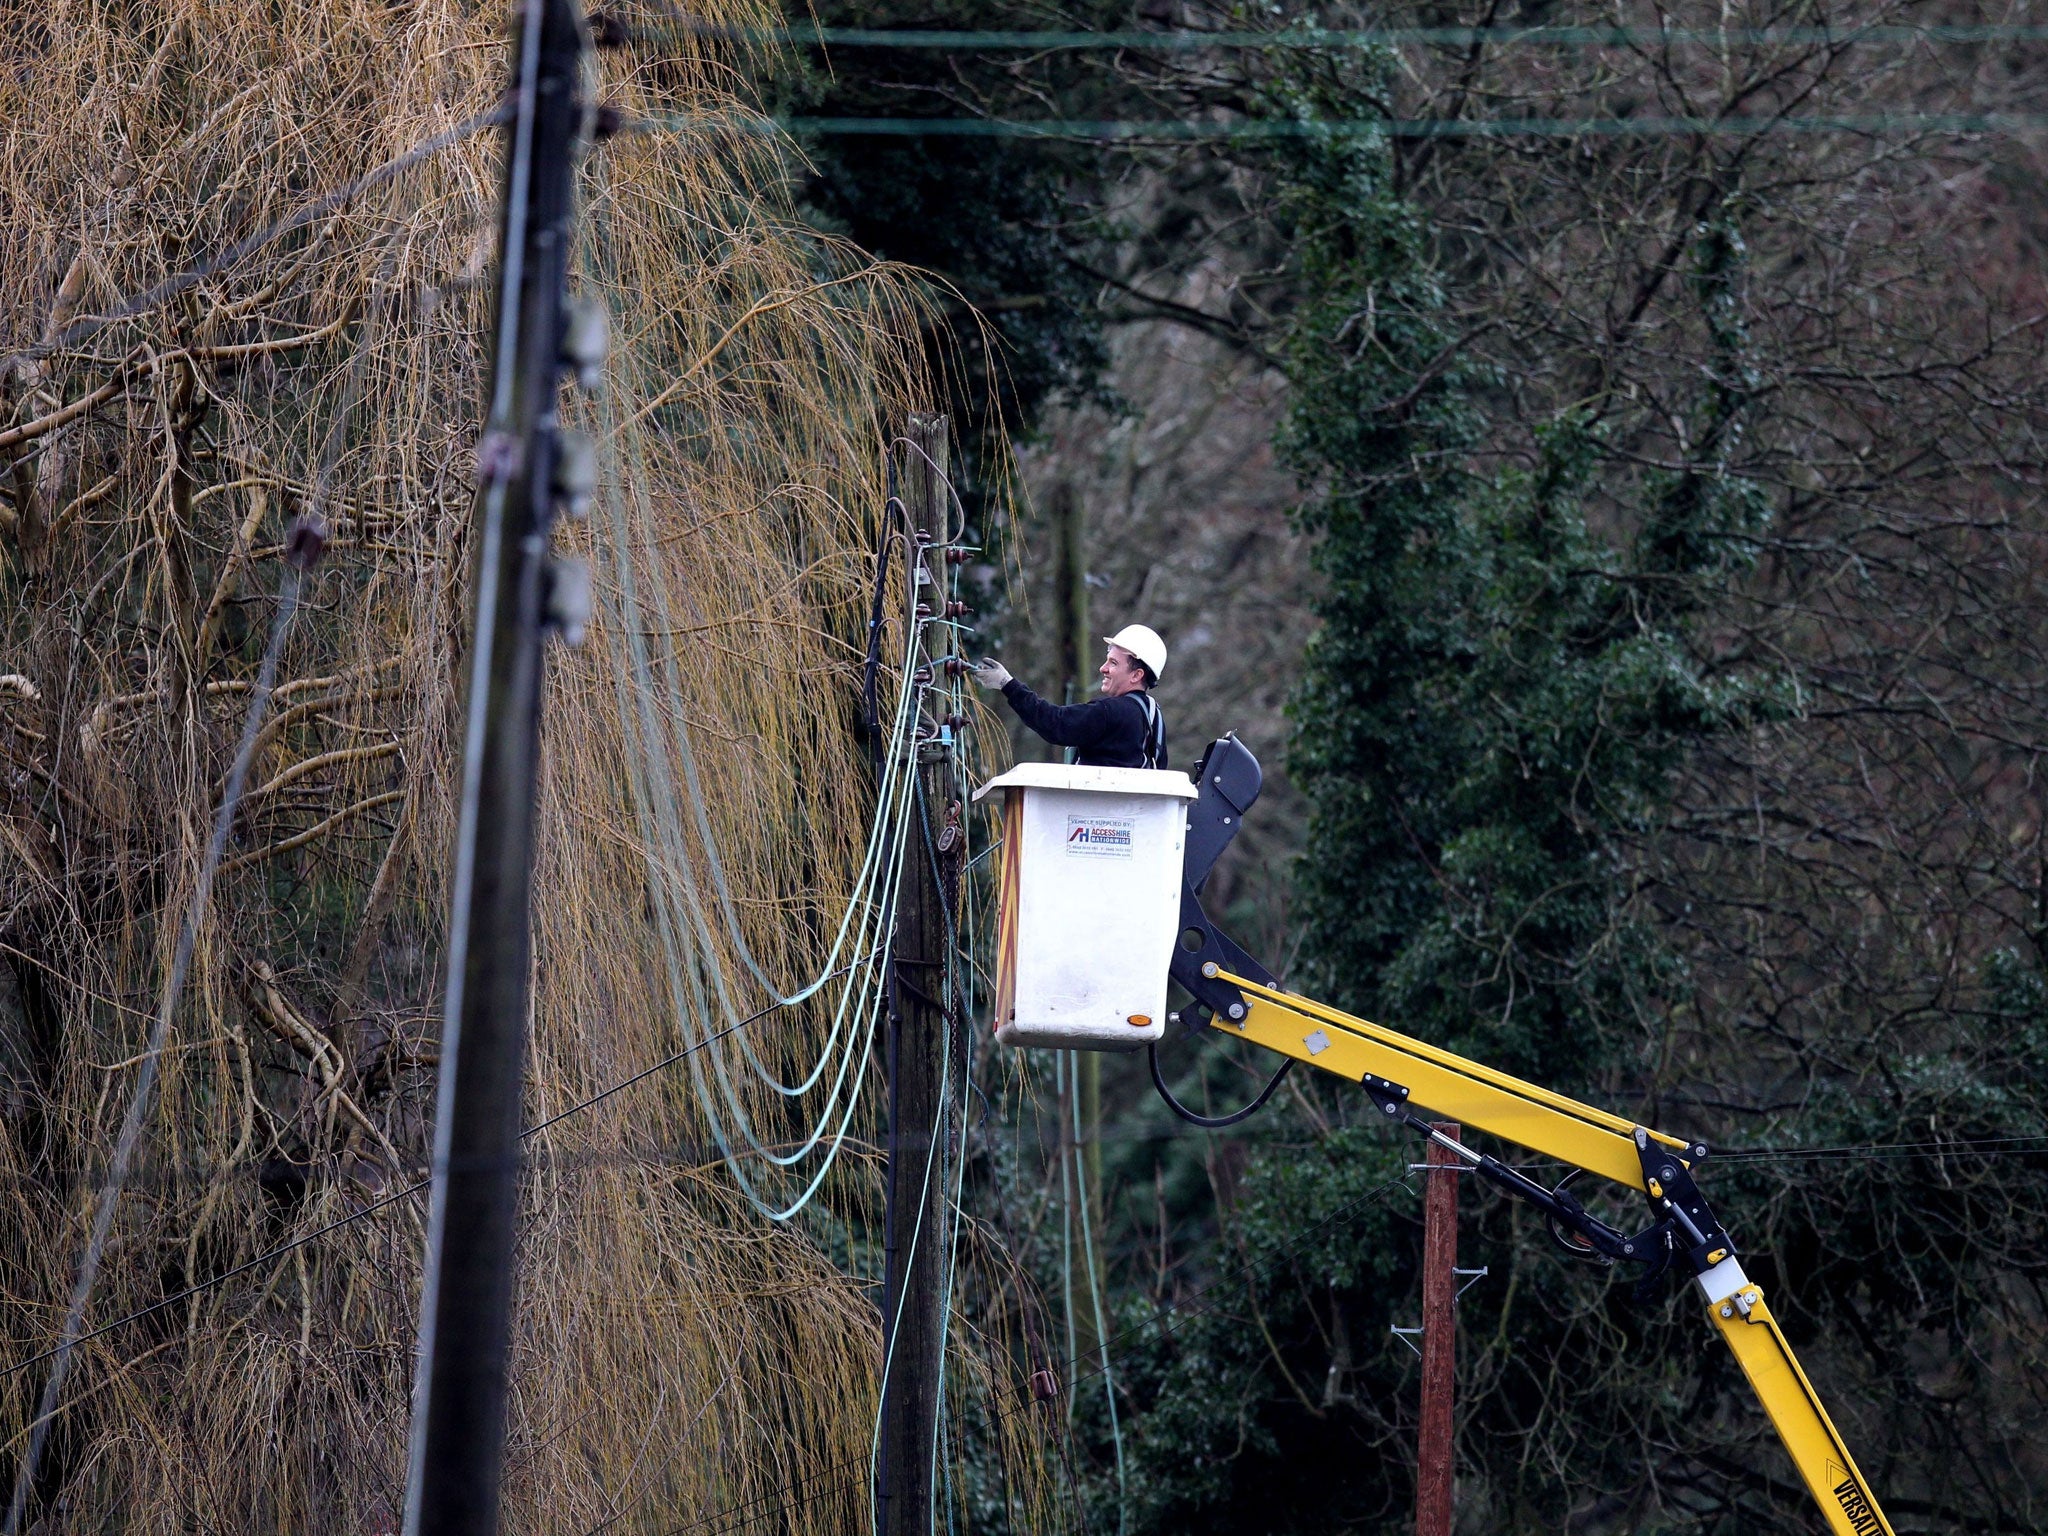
point(1110, 733)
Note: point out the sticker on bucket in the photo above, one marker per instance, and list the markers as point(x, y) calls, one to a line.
point(1099, 837)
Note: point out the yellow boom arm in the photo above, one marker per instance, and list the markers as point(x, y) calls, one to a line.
point(1405, 1075)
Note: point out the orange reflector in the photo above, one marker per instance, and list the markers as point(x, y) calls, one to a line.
point(1139, 1019)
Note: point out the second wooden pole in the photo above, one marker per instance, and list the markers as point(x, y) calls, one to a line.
point(1434, 1455)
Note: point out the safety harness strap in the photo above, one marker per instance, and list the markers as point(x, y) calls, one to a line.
point(1155, 730)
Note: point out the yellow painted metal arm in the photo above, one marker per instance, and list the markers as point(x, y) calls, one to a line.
point(1795, 1408)
point(1444, 1083)
point(1552, 1125)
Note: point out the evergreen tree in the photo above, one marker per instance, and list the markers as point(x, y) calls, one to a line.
point(1495, 701)
point(1496, 695)
point(1514, 668)
point(1000, 222)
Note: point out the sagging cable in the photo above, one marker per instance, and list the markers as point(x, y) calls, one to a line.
point(1213, 1122)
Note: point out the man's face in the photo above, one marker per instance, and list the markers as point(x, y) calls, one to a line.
point(1121, 673)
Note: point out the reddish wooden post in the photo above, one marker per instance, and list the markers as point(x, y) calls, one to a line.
point(1439, 1338)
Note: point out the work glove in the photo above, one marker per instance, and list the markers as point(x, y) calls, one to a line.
point(991, 673)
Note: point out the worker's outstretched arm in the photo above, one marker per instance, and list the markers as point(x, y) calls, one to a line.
point(1064, 725)
point(1404, 1075)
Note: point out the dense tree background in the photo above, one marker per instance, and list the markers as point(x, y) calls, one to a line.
point(1670, 734)
point(1602, 478)
point(1007, 226)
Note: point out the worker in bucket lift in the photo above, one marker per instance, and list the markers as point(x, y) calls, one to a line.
point(1123, 728)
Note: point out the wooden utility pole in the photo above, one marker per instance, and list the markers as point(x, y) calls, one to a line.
point(1433, 1488)
point(928, 1052)
point(458, 1430)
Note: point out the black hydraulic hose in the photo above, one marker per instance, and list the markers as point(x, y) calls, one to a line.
point(1212, 1122)
point(1585, 1253)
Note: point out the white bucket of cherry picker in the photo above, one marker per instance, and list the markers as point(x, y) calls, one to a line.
point(1089, 879)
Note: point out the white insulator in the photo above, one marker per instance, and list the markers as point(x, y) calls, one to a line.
point(586, 340)
point(575, 473)
point(568, 606)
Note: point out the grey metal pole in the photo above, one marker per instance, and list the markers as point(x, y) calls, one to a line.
point(458, 1430)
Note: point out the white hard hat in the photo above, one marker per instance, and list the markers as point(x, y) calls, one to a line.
point(1144, 644)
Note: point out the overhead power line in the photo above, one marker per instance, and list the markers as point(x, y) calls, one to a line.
point(1395, 37)
point(693, 1155)
point(775, 1502)
point(307, 542)
point(1309, 39)
point(1195, 130)
point(1170, 1316)
point(291, 1245)
point(1990, 1146)
point(653, 712)
point(220, 261)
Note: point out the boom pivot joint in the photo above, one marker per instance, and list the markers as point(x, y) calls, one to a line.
point(1684, 1223)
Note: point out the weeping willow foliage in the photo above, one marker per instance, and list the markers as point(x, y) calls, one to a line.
point(677, 1356)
